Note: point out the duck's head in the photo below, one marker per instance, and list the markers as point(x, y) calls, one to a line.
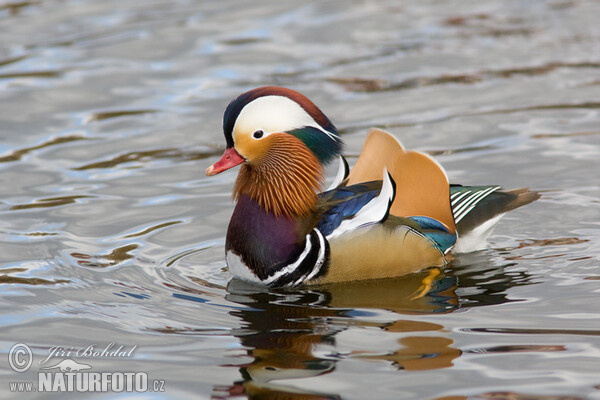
point(255, 119)
point(283, 139)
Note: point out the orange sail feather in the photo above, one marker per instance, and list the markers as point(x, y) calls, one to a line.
point(422, 187)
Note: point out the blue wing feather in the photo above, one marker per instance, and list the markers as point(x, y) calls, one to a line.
point(343, 203)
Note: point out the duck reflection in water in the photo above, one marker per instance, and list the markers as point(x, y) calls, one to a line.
point(291, 333)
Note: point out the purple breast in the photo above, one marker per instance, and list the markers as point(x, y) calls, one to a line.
point(261, 239)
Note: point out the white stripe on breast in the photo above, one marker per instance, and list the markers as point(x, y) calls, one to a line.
point(241, 270)
point(288, 269)
point(320, 260)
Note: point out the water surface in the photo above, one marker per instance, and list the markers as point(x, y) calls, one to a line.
point(110, 232)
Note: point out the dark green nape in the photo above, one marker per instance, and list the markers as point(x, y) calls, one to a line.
point(324, 147)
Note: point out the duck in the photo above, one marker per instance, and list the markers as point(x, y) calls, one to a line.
point(394, 213)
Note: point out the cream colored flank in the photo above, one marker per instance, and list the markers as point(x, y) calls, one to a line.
point(378, 252)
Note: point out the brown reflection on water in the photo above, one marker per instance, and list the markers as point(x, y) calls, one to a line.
point(401, 294)
point(16, 155)
point(250, 390)
point(148, 156)
point(99, 116)
point(589, 105)
point(11, 60)
point(280, 330)
point(49, 202)
point(417, 353)
point(523, 396)
point(510, 396)
point(551, 242)
point(151, 229)
point(452, 398)
point(563, 134)
point(360, 84)
point(15, 7)
point(528, 348)
point(114, 257)
point(420, 353)
point(542, 243)
point(7, 277)
point(33, 74)
point(534, 331)
point(291, 334)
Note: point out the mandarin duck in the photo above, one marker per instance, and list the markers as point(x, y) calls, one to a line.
point(393, 214)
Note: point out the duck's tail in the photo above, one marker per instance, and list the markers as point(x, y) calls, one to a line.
point(477, 209)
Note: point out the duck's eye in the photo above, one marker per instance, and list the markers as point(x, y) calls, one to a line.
point(258, 134)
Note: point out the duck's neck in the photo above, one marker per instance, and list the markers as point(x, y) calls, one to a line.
point(286, 179)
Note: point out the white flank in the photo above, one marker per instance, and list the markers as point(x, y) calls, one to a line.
point(372, 212)
point(477, 238)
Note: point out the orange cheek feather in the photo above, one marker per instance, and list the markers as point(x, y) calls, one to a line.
point(251, 149)
point(281, 174)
